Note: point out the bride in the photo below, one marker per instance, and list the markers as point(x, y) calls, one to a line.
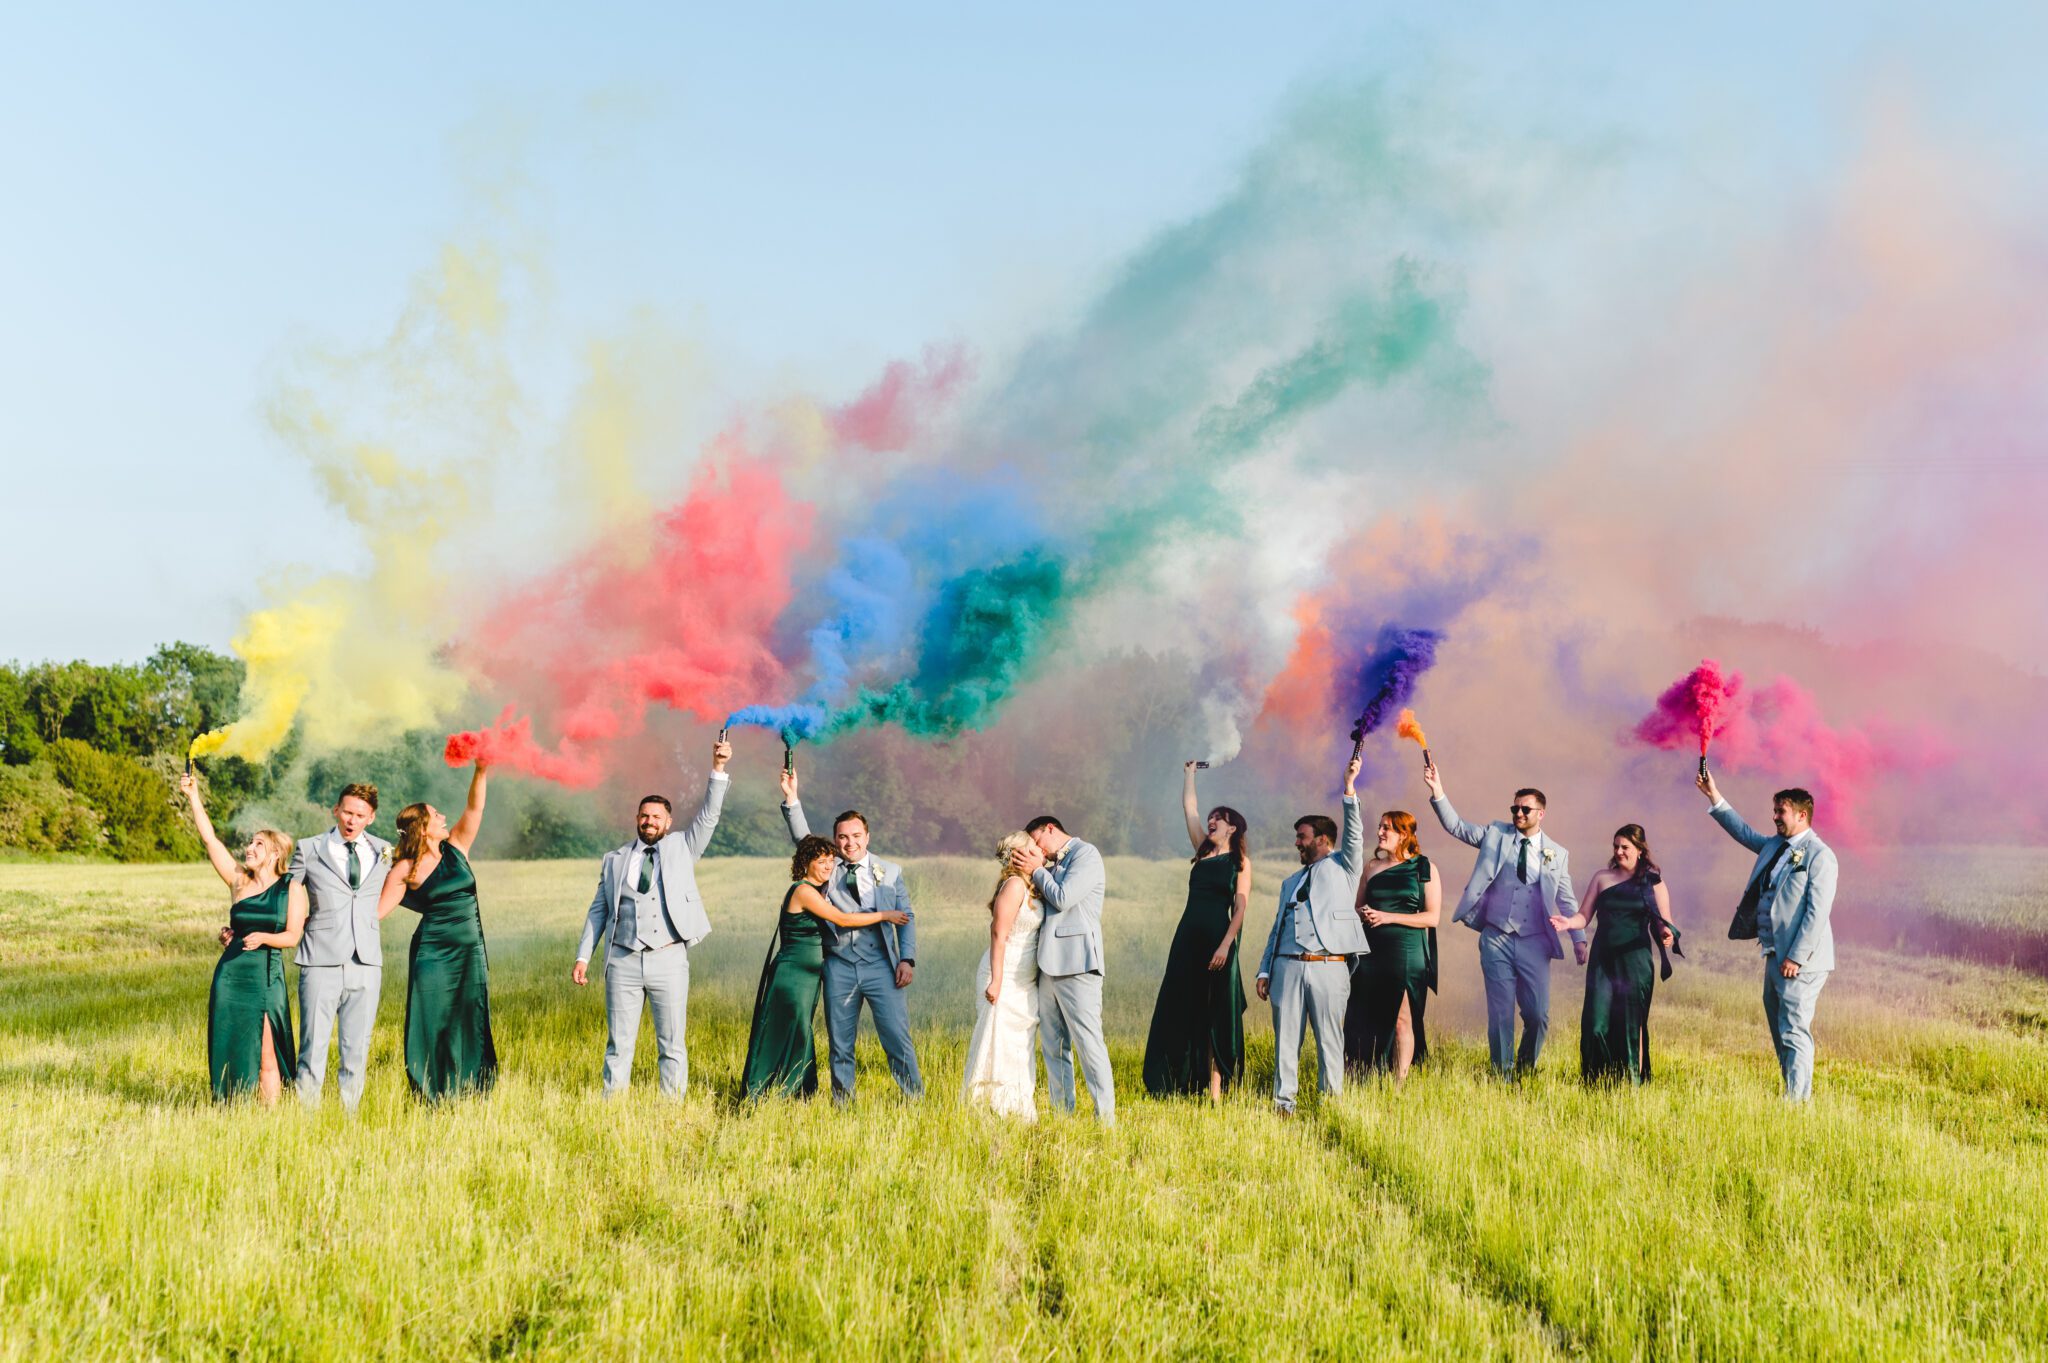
point(1002, 1060)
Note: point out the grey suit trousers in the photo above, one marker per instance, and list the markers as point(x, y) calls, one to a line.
point(328, 994)
point(1788, 1007)
point(1517, 972)
point(1308, 996)
point(1070, 1017)
point(661, 978)
point(847, 984)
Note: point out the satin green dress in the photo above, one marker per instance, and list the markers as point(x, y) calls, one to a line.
point(448, 1045)
point(782, 1051)
point(1199, 1012)
point(1401, 965)
point(248, 990)
point(1621, 977)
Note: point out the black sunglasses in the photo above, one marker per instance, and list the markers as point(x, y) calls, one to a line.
point(1522, 809)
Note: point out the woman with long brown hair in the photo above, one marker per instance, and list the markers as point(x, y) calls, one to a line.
point(1628, 898)
point(1400, 899)
point(448, 1045)
point(782, 1049)
point(1196, 1043)
point(248, 1010)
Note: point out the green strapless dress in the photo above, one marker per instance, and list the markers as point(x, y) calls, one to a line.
point(1614, 1029)
point(248, 990)
point(1401, 965)
point(782, 1052)
point(448, 1045)
point(1199, 1012)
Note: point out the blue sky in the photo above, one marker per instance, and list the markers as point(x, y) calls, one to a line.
point(813, 191)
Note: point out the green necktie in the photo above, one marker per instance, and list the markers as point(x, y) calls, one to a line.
point(646, 870)
point(853, 881)
point(355, 869)
point(1522, 862)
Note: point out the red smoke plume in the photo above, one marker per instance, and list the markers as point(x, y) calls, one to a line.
point(687, 624)
point(894, 408)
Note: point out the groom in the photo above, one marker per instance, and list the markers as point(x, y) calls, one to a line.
point(341, 960)
point(1068, 876)
point(1785, 906)
point(872, 964)
point(647, 898)
point(1521, 881)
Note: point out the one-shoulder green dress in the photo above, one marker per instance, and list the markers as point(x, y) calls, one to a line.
point(1621, 977)
point(1199, 1015)
point(448, 1045)
point(782, 1051)
point(1401, 965)
point(248, 990)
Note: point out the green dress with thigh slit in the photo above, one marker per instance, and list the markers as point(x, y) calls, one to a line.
point(448, 1046)
point(248, 991)
point(1401, 966)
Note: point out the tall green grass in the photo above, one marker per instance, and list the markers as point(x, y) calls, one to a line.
point(1897, 1217)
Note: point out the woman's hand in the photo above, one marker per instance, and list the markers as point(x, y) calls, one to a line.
point(896, 916)
point(1664, 934)
point(1373, 917)
point(1221, 958)
point(1560, 923)
point(995, 988)
point(227, 935)
point(254, 940)
point(188, 785)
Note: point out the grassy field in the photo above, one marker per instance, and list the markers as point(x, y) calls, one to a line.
point(1901, 1216)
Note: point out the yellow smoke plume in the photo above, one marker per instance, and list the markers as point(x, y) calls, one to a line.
point(355, 660)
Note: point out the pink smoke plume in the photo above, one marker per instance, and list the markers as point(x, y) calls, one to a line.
point(1778, 731)
point(895, 407)
point(1700, 704)
point(687, 623)
point(509, 743)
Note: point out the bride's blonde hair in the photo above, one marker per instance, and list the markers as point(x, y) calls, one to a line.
point(1011, 842)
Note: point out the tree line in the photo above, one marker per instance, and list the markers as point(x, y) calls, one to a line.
point(90, 755)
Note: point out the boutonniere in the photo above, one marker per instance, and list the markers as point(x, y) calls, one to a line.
point(1798, 858)
point(1549, 855)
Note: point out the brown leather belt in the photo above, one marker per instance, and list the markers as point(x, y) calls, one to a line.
point(1310, 956)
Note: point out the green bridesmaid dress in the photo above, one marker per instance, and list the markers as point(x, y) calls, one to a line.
point(1614, 1029)
point(1401, 965)
point(782, 1054)
point(248, 990)
point(448, 1046)
point(1200, 1012)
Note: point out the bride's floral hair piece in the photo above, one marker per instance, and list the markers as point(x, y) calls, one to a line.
point(1011, 842)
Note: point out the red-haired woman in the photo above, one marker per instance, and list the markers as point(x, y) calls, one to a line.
point(1634, 911)
point(1197, 1040)
point(449, 1049)
point(1401, 901)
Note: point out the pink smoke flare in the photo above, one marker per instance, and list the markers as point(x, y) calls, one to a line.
point(1701, 703)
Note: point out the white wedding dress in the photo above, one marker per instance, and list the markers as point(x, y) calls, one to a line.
point(1002, 1059)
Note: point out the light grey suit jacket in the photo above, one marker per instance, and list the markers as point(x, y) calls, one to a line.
point(898, 944)
point(341, 924)
point(1496, 844)
point(1070, 936)
point(1332, 895)
point(680, 899)
point(1805, 897)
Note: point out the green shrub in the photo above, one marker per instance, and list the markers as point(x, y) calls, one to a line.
point(136, 804)
point(39, 813)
